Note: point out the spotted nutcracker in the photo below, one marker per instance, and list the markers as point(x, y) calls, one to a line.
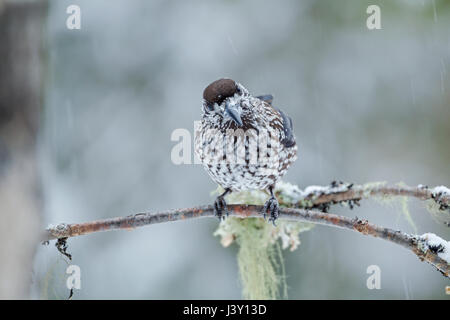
point(243, 142)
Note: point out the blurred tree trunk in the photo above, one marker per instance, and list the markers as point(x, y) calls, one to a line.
point(22, 26)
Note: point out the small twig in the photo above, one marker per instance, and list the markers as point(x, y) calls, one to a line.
point(322, 197)
point(361, 192)
point(408, 241)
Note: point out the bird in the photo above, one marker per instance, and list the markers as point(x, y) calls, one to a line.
point(243, 143)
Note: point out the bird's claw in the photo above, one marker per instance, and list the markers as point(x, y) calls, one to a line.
point(272, 206)
point(220, 207)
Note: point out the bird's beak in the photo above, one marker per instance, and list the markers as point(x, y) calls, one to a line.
point(233, 112)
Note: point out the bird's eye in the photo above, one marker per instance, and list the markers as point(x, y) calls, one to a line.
point(238, 90)
point(210, 107)
point(220, 99)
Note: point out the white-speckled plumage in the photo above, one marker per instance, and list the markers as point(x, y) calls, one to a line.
point(254, 155)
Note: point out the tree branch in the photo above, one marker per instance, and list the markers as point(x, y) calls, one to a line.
point(321, 197)
point(417, 244)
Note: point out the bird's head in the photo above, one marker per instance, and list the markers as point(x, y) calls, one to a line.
point(226, 101)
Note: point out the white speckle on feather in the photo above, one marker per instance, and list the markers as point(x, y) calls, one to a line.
point(430, 241)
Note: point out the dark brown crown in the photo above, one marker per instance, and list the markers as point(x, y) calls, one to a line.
point(219, 90)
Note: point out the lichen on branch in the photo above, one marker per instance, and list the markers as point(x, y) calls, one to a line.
point(260, 260)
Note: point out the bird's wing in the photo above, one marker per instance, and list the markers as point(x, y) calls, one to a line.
point(289, 139)
point(266, 98)
point(288, 129)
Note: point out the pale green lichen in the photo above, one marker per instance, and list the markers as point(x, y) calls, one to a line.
point(256, 197)
point(287, 193)
point(260, 260)
point(368, 187)
point(390, 200)
point(383, 199)
point(406, 214)
point(53, 282)
point(305, 203)
point(404, 208)
point(260, 263)
point(393, 201)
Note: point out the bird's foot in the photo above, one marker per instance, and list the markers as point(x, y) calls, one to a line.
point(220, 207)
point(273, 207)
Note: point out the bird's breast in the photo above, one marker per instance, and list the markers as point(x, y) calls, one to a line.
point(242, 159)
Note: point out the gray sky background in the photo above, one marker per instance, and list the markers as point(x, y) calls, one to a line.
point(366, 105)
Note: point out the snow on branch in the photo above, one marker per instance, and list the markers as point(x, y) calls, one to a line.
point(435, 244)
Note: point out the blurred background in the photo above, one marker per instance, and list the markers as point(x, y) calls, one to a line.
point(86, 118)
